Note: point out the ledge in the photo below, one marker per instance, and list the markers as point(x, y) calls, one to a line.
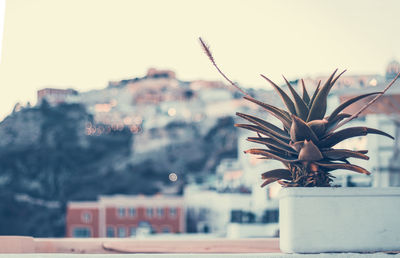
point(334, 192)
point(118, 245)
point(17, 246)
point(259, 255)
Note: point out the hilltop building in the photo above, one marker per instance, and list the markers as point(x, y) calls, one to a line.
point(157, 73)
point(54, 96)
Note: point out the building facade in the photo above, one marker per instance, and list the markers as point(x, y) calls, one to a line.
point(383, 152)
point(125, 216)
point(54, 96)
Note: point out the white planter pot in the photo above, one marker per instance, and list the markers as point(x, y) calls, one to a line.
point(315, 220)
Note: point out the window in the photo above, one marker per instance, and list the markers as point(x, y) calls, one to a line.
point(270, 216)
point(81, 232)
point(144, 224)
point(132, 231)
point(239, 216)
point(165, 229)
point(132, 212)
point(149, 212)
point(121, 212)
point(121, 232)
point(172, 212)
point(110, 232)
point(236, 216)
point(160, 212)
point(86, 217)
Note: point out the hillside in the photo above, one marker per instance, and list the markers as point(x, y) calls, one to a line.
point(48, 158)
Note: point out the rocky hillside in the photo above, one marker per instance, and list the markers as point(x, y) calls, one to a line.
point(48, 157)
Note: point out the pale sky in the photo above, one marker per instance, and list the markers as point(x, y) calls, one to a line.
point(83, 44)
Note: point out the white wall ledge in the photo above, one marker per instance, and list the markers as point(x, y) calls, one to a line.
point(339, 191)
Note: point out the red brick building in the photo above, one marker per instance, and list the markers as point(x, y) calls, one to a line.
point(125, 216)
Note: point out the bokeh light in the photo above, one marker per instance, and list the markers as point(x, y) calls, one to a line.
point(173, 177)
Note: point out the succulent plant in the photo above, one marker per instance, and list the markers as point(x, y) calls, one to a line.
point(305, 143)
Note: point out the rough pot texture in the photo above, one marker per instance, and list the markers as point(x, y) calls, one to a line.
point(315, 220)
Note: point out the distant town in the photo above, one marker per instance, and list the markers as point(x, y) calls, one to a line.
point(223, 198)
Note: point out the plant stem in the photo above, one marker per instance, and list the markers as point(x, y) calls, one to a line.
point(355, 115)
point(207, 50)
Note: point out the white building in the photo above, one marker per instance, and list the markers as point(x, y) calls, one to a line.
point(384, 153)
point(209, 211)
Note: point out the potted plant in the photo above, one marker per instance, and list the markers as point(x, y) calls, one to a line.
point(315, 217)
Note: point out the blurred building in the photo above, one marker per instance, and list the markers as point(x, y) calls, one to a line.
point(54, 96)
point(125, 216)
point(384, 153)
point(157, 73)
point(235, 205)
point(210, 211)
point(227, 214)
point(158, 98)
point(392, 69)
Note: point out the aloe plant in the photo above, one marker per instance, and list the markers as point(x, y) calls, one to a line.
point(305, 142)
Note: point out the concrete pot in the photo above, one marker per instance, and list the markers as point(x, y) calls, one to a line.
point(315, 220)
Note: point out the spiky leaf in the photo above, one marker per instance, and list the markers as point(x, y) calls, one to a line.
point(318, 127)
point(282, 115)
point(265, 125)
point(332, 123)
point(258, 129)
point(285, 98)
point(318, 108)
point(337, 77)
point(338, 154)
point(269, 181)
point(333, 166)
point(335, 138)
point(269, 155)
point(277, 173)
point(297, 145)
point(300, 131)
point(272, 143)
point(309, 152)
point(347, 103)
point(299, 104)
point(314, 94)
point(306, 97)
